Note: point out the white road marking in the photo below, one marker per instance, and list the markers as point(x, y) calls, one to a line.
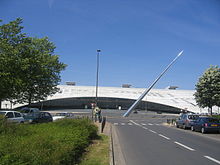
point(134, 122)
point(164, 136)
point(145, 128)
point(122, 123)
point(130, 124)
point(184, 146)
point(115, 123)
point(152, 131)
point(212, 159)
point(150, 124)
point(143, 124)
point(157, 124)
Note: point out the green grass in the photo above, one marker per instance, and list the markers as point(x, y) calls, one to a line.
point(97, 153)
point(56, 143)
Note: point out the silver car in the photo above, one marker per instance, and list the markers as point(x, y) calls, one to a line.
point(186, 120)
point(13, 116)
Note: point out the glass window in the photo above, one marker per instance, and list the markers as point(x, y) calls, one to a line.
point(17, 114)
point(184, 116)
point(47, 114)
point(9, 115)
point(193, 117)
point(41, 115)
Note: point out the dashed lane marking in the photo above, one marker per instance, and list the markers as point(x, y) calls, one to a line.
point(152, 131)
point(212, 159)
point(145, 128)
point(191, 149)
point(164, 136)
point(134, 123)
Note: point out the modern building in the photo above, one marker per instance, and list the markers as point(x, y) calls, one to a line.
point(160, 100)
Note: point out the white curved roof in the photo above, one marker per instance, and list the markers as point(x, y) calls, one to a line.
point(183, 99)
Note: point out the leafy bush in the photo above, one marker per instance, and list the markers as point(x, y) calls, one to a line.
point(61, 142)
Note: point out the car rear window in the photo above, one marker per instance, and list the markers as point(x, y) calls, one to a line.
point(193, 117)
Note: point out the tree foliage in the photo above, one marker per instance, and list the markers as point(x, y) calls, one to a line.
point(10, 40)
point(208, 88)
point(40, 70)
point(29, 69)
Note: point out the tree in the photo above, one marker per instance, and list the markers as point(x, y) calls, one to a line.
point(29, 69)
point(208, 88)
point(40, 72)
point(10, 39)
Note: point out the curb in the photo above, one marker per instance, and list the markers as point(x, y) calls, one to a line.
point(117, 155)
point(111, 149)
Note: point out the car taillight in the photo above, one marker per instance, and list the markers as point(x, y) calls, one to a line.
point(187, 121)
point(206, 125)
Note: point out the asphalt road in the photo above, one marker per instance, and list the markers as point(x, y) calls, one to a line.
point(145, 140)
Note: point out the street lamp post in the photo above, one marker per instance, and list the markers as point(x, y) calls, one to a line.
point(97, 77)
point(97, 82)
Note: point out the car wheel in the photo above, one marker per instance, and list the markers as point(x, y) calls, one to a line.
point(177, 126)
point(203, 130)
point(192, 128)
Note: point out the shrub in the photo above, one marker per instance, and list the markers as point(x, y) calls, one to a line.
point(61, 142)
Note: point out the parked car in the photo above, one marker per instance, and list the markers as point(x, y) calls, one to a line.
point(206, 124)
point(62, 115)
point(42, 117)
point(13, 116)
point(135, 111)
point(185, 120)
point(29, 113)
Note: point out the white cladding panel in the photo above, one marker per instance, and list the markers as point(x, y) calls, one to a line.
point(183, 99)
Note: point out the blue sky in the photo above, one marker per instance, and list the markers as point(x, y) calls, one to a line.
point(138, 38)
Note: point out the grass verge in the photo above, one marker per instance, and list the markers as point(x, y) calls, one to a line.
point(98, 152)
point(62, 142)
